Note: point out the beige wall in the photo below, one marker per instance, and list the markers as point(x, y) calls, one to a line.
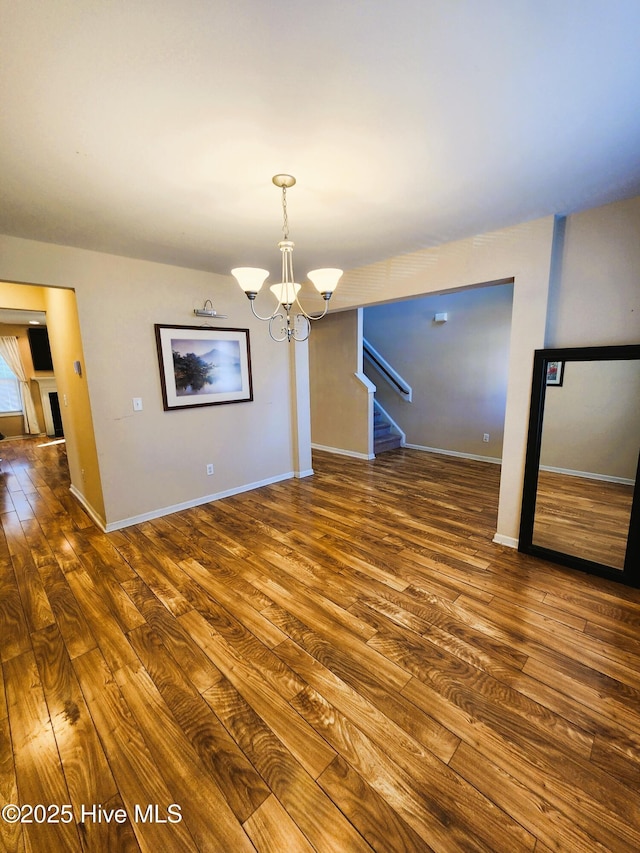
point(154, 461)
point(587, 267)
point(151, 460)
point(66, 347)
point(522, 254)
point(300, 408)
point(592, 421)
point(73, 396)
point(18, 296)
point(458, 370)
point(340, 401)
point(595, 298)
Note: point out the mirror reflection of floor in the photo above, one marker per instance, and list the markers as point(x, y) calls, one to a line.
point(583, 517)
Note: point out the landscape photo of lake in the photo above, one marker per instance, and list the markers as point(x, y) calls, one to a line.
point(206, 367)
point(203, 366)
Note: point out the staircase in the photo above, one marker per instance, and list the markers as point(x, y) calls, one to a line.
point(385, 436)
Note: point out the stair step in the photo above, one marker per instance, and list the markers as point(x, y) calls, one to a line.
point(384, 436)
point(391, 442)
point(381, 429)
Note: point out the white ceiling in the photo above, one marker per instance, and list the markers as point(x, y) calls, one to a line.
point(152, 128)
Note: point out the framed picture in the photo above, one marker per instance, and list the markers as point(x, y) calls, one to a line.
point(555, 372)
point(202, 366)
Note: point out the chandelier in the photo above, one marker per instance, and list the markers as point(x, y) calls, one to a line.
point(283, 326)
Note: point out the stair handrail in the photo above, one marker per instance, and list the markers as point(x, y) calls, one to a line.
point(386, 371)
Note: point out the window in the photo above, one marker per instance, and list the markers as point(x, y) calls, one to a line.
point(10, 400)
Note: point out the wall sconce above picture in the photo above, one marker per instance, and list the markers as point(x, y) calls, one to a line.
point(251, 279)
point(209, 311)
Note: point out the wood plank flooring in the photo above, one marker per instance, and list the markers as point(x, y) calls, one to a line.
point(582, 517)
point(340, 663)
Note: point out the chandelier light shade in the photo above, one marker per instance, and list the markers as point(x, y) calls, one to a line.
point(286, 292)
point(288, 321)
point(250, 279)
point(326, 280)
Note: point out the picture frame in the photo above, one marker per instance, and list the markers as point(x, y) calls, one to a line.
point(555, 372)
point(203, 366)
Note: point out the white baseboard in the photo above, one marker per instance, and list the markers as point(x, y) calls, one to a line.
point(493, 459)
point(588, 475)
point(509, 541)
point(205, 499)
point(97, 519)
point(299, 474)
point(341, 452)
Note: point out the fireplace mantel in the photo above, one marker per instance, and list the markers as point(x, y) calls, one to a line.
point(47, 386)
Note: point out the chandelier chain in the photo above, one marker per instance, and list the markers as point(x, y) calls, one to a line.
point(285, 218)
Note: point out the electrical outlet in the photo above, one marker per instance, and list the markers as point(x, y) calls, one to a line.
point(209, 468)
point(485, 437)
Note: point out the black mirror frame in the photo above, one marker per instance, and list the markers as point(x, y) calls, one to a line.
point(630, 574)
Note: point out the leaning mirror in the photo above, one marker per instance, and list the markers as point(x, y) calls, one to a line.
point(581, 504)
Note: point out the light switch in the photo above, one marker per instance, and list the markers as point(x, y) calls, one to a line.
point(137, 404)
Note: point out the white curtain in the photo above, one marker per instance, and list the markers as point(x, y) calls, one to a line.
point(11, 354)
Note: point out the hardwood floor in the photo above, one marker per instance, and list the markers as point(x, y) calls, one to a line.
point(340, 663)
point(582, 517)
